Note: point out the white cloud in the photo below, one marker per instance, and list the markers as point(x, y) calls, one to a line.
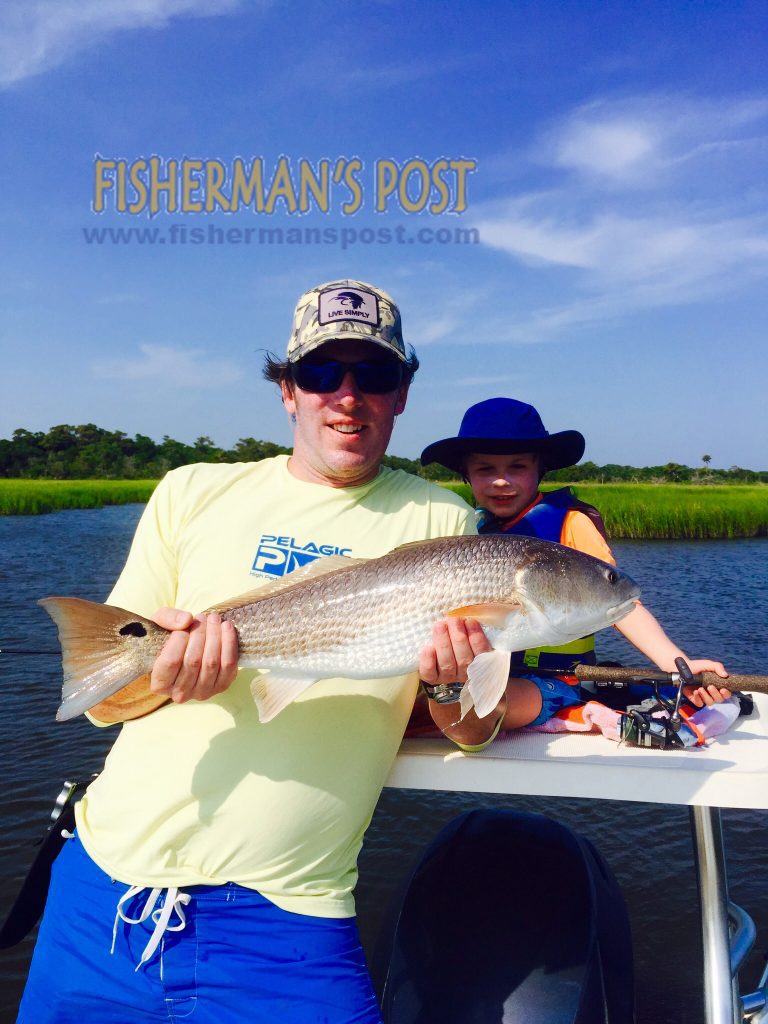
point(369, 73)
point(170, 368)
point(617, 247)
point(441, 307)
point(605, 146)
point(622, 264)
point(36, 35)
point(434, 329)
point(636, 140)
point(657, 201)
point(525, 228)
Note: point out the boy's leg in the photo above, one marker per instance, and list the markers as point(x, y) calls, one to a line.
point(532, 700)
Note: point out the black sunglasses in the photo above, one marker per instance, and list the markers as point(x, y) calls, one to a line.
point(323, 376)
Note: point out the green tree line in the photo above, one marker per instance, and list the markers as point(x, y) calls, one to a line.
point(84, 452)
point(670, 473)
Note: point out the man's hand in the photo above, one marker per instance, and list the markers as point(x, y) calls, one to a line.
point(199, 658)
point(455, 642)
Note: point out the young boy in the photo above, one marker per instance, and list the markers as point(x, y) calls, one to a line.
point(503, 450)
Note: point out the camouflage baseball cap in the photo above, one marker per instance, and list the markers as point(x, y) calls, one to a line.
point(345, 309)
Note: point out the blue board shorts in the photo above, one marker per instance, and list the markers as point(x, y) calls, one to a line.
point(237, 958)
point(556, 694)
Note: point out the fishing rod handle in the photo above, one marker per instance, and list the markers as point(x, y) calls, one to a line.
point(598, 673)
point(754, 684)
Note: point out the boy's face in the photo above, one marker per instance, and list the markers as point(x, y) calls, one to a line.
point(504, 484)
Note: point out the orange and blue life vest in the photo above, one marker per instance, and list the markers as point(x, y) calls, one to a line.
point(545, 519)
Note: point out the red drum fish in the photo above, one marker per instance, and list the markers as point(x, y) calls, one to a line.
point(366, 618)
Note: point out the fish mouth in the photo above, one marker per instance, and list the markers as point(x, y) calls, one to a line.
point(618, 611)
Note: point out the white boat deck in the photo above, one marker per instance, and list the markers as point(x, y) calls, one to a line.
point(731, 772)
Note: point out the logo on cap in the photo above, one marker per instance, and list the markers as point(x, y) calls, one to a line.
point(346, 304)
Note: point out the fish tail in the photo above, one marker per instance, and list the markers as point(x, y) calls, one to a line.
point(104, 648)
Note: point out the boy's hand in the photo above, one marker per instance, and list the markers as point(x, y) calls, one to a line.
point(707, 695)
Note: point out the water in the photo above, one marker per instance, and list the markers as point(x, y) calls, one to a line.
point(710, 596)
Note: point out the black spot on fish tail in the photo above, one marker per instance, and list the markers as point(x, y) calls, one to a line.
point(133, 629)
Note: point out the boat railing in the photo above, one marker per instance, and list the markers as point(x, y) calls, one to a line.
point(755, 1004)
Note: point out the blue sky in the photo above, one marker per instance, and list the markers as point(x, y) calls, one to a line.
point(619, 197)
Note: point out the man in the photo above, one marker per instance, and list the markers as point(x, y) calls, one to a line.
point(216, 854)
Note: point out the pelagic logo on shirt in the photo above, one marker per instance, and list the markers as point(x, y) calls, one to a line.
point(277, 556)
point(348, 304)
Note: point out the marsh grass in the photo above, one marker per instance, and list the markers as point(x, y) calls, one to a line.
point(672, 511)
point(632, 511)
point(33, 497)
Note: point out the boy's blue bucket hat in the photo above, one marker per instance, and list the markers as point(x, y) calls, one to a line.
point(503, 425)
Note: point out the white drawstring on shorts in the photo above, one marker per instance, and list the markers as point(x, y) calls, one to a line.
point(174, 901)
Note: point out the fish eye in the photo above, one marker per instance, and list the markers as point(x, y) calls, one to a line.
point(612, 576)
point(133, 629)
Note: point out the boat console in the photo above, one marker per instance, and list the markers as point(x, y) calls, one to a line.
point(731, 772)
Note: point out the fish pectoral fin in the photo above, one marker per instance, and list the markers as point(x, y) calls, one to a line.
point(487, 614)
point(487, 678)
point(272, 692)
point(465, 702)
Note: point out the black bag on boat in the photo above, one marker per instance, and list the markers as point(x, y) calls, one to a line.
point(28, 905)
point(509, 917)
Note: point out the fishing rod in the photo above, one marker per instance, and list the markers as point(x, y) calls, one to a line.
point(586, 673)
point(619, 674)
point(24, 651)
point(663, 721)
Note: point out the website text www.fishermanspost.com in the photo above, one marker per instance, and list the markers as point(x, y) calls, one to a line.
point(343, 237)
